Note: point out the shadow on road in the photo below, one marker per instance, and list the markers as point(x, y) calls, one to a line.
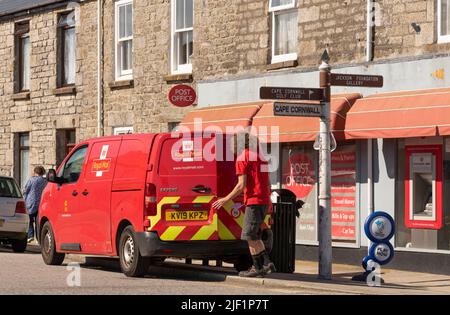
point(169, 271)
point(31, 249)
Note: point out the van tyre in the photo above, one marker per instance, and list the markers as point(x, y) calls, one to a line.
point(131, 261)
point(48, 247)
point(19, 246)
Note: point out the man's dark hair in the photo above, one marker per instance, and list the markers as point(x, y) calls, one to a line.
point(39, 170)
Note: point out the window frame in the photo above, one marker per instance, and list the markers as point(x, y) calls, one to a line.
point(22, 148)
point(177, 68)
point(21, 32)
point(442, 39)
point(120, 131)
point(62, 43)
point(121, 74)
point(282, 9)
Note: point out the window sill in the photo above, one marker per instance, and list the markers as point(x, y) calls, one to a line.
point(179, 78)
point(443, 40)
point(281, 65)
point(66, 90)
point(21, 96)
point(124, 84)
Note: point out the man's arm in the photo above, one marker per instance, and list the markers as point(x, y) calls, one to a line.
point(238, 189)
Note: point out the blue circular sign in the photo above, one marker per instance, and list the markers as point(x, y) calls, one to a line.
point(379, 227)
point(381, 253)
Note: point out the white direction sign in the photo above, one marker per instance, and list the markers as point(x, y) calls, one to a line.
point(296, 109)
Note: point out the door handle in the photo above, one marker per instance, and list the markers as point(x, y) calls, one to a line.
point(74, 193)
point(201, 189)
point(85, 193)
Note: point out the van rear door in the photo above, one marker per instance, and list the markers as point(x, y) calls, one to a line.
point(185, 180)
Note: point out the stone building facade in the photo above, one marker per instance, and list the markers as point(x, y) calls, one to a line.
point(232, 57)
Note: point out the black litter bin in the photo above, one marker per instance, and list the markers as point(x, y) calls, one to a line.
point(285, 211)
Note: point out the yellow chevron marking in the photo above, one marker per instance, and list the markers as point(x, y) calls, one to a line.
point(172, 232)
point(229, 208)
point(224, 232)
point(267, 219)
point(206, 231)
point(203, 199)
point(155, 219)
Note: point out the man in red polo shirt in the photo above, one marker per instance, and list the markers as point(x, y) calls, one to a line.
point(253, 180)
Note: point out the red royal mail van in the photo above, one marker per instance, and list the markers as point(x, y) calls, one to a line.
point(143, 198)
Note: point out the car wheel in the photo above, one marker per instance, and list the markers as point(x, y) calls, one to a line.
point(131, 261)
point(19, 246)
point(243, 263)
point(48, 247)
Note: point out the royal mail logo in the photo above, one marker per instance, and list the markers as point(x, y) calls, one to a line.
point(101, 165)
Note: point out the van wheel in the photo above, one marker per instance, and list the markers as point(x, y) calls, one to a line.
point(131, 261)
point(243, 263)
point(19, 246)
point(48, 247)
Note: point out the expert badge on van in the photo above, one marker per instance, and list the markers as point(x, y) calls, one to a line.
point(136, 197)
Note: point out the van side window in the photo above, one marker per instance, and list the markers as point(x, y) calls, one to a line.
point(74, 165)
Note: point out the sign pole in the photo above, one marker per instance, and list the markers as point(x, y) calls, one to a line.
point(325, 242)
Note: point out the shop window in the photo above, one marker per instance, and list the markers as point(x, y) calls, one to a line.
point(65, 142)
point(299, 175)
point(22, 158)
point(443, 21)
point(182, 35)
point(284, 14)
point(23, 55)
point(66, 46)
point(124, 39)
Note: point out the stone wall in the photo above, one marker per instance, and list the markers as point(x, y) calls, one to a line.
point(395, 36)
point(45, 111)
point(144, 105)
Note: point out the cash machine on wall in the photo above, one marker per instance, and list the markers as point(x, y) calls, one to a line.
point(423, 193)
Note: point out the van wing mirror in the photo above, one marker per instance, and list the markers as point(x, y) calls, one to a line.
point(52, 177)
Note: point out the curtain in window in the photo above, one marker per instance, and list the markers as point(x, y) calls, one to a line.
point(445, 17)
point(26, 50)
point(69, 56)
point(286, 33)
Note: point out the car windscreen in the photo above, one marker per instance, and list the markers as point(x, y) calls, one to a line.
point(9, 189)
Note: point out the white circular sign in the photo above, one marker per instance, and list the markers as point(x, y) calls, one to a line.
point(235, 213)
point(382, 252)
point(381, 228)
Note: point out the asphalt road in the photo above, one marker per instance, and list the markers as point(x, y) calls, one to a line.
point(27, 274)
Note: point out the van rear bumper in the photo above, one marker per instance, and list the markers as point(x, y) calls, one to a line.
point(150, 245)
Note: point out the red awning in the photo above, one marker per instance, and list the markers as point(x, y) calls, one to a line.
point(294, 129)
point(400, 115)
point(221, 117)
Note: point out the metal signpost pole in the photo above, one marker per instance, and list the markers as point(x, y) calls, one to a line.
point(325, 242)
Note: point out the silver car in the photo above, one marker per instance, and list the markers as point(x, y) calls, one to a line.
point(14, 220)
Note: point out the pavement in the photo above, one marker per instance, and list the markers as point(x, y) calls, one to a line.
point(26, 273)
